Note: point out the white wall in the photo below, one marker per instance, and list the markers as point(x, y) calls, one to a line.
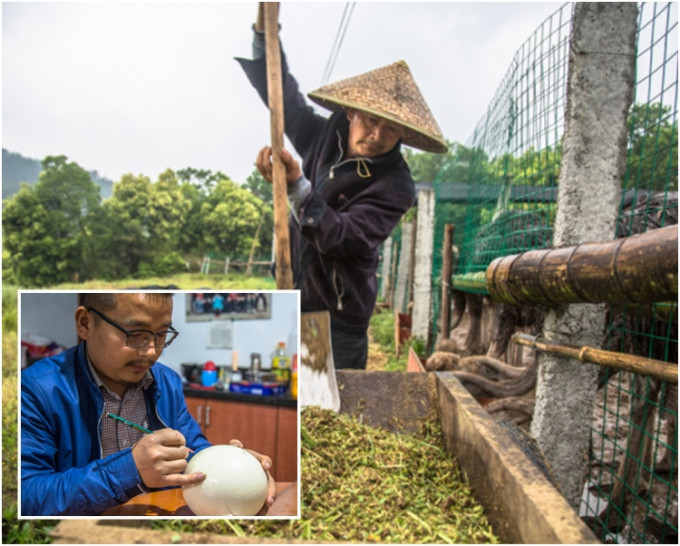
point(249, 336)
point(50, 315)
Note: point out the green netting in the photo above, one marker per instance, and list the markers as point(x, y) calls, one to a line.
point(515, 153)
point(499, 190)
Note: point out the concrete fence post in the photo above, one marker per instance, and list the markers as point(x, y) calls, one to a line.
point(422, 277)
point(599, 95)
point(403, 269)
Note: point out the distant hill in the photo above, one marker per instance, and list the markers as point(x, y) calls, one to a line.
point(17, 169)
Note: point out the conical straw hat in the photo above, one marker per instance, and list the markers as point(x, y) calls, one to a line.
point(391, 93)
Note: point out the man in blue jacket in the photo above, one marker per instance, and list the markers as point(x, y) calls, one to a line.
point(74, 459)
point(352, 190)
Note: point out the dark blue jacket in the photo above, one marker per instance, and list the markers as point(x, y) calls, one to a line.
point(342, 223)
point(62, 469)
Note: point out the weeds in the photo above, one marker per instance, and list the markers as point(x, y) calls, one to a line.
point(14, 531)
point(381, 330)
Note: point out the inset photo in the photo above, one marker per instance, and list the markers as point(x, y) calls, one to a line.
point(129, 408)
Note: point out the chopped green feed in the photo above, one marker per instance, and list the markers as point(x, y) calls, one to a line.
point(368, 485)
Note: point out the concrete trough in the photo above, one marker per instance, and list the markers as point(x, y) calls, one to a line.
point(520, 501)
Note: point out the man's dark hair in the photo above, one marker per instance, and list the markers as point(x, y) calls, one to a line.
point(107, 301)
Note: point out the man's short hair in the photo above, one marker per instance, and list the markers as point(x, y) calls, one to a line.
point(107, 301)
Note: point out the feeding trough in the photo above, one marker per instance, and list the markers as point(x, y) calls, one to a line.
point(519, 499)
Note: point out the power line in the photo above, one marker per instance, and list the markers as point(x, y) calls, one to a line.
point(339, 37)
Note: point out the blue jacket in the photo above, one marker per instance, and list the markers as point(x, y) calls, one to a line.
point(341, 224)
point(62, 469)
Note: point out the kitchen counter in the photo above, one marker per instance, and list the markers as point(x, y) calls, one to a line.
point(284, 400)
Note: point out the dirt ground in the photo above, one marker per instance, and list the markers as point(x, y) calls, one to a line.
point(377, 360)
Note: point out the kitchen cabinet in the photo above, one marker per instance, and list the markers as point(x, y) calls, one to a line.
point(287, 444)
point(268, 428)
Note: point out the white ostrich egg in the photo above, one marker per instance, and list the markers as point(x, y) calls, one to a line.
point(235, 483)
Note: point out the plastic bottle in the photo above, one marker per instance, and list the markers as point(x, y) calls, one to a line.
point(281, 363)
point(294, 377)
point(209, 374)
point(236, 374)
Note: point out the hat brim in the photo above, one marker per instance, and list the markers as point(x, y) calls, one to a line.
point(414, 136)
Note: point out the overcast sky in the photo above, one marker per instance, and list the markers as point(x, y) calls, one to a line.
point(130, 87)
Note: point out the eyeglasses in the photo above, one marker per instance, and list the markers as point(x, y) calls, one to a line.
point(136, 339)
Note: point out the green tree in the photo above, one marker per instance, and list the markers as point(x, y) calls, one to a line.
point(147, 218)
point(46, 228)
point(459, 164)
point(652, 148)
point(190, 237)
point(465, 165)
point(230, 219)
point(203, 180)
point(259, 187)
point(424, 166)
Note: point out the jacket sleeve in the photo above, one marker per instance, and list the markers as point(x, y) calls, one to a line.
point(361, 227)
point(301, 122)
point(86, 490)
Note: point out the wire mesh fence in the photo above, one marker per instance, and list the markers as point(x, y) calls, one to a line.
point(510, 164)
point(499, 191)
point(631, 495)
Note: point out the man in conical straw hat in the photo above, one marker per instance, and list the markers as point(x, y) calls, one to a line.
point(352, 189)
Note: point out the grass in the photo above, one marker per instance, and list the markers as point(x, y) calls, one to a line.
point(381, 330)
point(183, 281)
point(14, 531)
point(367, 485)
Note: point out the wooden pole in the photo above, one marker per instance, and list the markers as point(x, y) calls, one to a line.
point(619, 361)
point(447, 266)
point(284, 274)
point(393, 275)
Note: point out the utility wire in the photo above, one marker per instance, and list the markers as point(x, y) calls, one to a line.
point(339, 37)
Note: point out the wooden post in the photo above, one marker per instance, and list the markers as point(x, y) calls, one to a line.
point(447, 269)
point(386, 260)
point(393, 274)
point(284, 274)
